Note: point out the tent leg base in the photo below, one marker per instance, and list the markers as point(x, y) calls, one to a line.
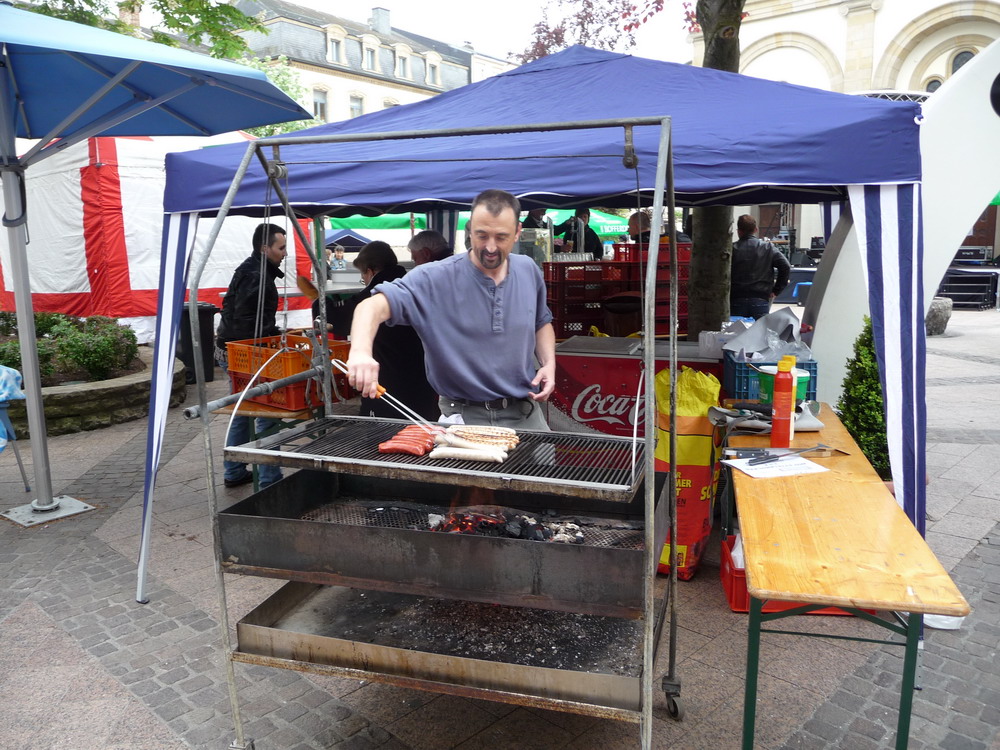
point(31, 515)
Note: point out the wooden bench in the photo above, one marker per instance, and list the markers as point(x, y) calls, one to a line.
point(837, 538)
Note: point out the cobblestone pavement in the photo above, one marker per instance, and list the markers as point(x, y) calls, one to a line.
point(84, 666)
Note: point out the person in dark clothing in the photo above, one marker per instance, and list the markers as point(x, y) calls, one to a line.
point(571, 228)
point(639, 230)
point(249, 310)
point(535, 219)
point(759, 272)
point(397, 349)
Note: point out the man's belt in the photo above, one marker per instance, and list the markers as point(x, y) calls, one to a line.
point(495, 405)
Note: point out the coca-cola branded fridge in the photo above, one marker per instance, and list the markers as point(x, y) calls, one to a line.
point(597, 379)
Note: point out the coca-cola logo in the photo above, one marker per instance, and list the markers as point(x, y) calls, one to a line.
point(591, 405)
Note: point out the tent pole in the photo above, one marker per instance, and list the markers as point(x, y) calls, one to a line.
point(44, 507)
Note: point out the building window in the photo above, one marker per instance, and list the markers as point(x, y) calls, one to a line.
point(369, 58)
point(402, 67)
point(369, 54)
point(961, 59)
point(933, 85)
point(432, 74)
point(319, 104)
point(386, 103)
point(335, 52)
point(357, 105)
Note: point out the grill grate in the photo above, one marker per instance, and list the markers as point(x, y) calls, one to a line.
point(361, 512)
point(556, 462)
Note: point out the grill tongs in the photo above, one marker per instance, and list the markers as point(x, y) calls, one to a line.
point(396, 404)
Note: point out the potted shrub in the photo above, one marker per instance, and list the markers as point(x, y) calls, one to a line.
point(861, 407)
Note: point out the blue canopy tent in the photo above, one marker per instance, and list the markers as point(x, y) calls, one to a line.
point(349, 239)
point(793, 144)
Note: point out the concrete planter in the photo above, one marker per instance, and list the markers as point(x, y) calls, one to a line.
point(90, 406)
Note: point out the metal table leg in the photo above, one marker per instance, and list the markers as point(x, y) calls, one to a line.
point(914, 626)
point(753, 660)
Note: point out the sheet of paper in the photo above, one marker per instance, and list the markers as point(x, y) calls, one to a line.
point(785, 467)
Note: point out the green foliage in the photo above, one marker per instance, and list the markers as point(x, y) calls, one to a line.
point(286, 78)
point(861, 407)
point(8, 323)
point(214, 24)
point(96, 345)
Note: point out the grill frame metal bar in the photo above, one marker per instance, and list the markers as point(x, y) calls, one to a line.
point(298, 446)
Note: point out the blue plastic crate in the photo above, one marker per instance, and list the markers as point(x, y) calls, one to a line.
point(739, 379)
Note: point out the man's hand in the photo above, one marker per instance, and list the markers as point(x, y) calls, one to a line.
point(545, 382)
point(362, 373)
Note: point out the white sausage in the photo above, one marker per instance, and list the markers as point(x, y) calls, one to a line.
point(469, 454)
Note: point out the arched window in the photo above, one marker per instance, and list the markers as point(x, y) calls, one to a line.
point(335, 36)
point(403, 61)
point(369, 53)
point(933, 85)
point(961, 59)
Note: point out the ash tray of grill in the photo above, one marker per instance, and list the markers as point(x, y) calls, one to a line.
point(488, 632)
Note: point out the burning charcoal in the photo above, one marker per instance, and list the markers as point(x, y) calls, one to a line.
point(434, 520)
point(578, 538)
point(538, 534)
point(513, 529)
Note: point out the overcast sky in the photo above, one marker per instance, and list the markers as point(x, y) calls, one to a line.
point(498, 34)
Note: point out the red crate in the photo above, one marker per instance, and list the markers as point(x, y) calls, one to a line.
point(577, 310)
point(613, 270)
point(663, 272)
point(574, 290)
point(734, 583)
point(589, 273)
point(662, 309)
point(662, 326)
point(629, 251)
point(566, 328)
point(249, 355)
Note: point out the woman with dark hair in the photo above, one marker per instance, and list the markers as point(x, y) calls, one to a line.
point(397, 348)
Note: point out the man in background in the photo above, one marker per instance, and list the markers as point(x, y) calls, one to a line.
point(759, 272)
point(428, 246)
point(249, 310)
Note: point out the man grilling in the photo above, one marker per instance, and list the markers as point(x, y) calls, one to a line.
point(483, 321)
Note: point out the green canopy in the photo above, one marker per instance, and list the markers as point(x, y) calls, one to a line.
point(606, 225)
point(996, 200)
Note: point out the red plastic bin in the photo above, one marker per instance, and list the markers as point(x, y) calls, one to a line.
point(734, 582)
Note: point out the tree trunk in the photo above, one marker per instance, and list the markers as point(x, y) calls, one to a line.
point(708, 290)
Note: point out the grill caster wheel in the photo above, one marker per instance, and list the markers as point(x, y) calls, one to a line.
point(675, 708)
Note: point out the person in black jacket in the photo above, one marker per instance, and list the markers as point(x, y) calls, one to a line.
point(249, 310)
point(571, 227)
point(759, 272)
point(397, 349)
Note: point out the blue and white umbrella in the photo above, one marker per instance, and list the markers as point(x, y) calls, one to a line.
point(62, 82)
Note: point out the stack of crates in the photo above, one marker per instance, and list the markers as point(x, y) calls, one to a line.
point(246, 357)
point(575, 290)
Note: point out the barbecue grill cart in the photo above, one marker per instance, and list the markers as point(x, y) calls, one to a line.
point(375, 594)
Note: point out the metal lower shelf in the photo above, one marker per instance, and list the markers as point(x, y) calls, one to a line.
point(569, 662)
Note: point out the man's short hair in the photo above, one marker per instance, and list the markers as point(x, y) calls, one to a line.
point(264, 235)
point(641, 219)
point(432, 241)
point(746, 225)
point(495, 201)
point(581, 212)
point(376, 256)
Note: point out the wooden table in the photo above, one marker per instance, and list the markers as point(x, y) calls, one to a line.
point(837, 538)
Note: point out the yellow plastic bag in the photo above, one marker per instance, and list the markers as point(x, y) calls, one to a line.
point(697, 471)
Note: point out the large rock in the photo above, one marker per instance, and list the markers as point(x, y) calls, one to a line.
point(938, 316)
point(90, 406)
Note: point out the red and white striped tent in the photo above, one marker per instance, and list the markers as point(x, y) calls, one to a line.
point(95, 231)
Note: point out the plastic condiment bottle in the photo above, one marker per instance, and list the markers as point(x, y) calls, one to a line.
point(783, 404)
